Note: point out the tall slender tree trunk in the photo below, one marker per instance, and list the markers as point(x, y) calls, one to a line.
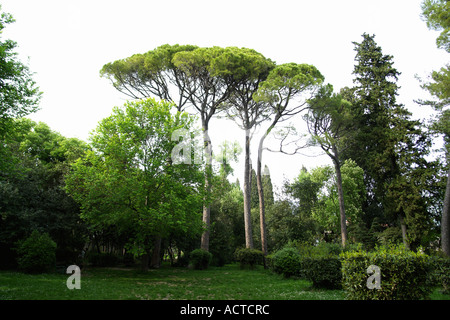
point(247, 195)
point(340, 190)
point(404, 231)
point(145, 261)
point(262, 207)
point(206, 205)
point(445, 220)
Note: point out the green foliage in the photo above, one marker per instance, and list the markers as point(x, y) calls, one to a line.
point(390, 236)
point(285, 81)
point(286, 261)
point(248, 257)
point(317, 194)
point(149, 74)
point(130, 181)
point(321, 264)
point(19, 95)
point(441, 272)
point(404, 274)
point(32, 195)
point(36, 254)
point(200, 259)
point(435, 13)
point(397, 176)
point(227, 229)
point(286, 222)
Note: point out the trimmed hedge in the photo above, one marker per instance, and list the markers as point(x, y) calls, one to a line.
point(248, 257)
point(324, 272)
point(404, 274)
point(320, 264)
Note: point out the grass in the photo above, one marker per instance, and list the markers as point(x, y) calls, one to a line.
point(224, 283)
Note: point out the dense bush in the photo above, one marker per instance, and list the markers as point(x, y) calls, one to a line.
point(200, 259)
point(248, 257)
point(441, 273)
point(404, 274)
point(36, 254)
point(286, 261)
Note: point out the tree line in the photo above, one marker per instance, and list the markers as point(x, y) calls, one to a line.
point(126, 191)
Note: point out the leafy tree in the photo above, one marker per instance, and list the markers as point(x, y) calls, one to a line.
point(317, 196)
point(19, 95)
point(383, 133)
point(284, 91)
point(207, 88)
point(152, 74)
point(32, 195)
point(436, 15)
point(247, 69)
point(129, 179)
point(328, 121)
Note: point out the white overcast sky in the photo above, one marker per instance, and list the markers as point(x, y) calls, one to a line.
point(67, 42)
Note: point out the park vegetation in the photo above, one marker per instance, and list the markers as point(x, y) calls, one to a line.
point(148, 187)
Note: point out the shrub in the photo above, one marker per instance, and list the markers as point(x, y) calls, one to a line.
point(248, 257)
point(36, 254)
point(200, 259)
point(324, 272)
point(404, 274)
point(287, 262)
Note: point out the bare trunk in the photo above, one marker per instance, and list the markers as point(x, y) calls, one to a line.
point(445, 220)
point(206, 206)
point(404, 234)
point(144, 262)
point(247, 194)
point(343, 218)
point(262, 207)
point(156, 254)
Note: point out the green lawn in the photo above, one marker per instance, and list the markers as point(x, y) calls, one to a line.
point(225, 283)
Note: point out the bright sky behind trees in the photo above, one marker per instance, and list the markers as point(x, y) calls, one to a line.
point(66, 43)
